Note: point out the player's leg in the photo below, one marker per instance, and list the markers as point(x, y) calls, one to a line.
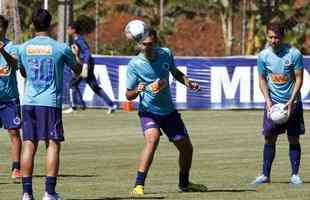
point(52, 167)
point(91, 80)
point(74, 93)
point(16, 145)
point(30, 144)
point(295, 128)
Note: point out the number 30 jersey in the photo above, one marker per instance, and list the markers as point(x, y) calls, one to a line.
point(43, 59)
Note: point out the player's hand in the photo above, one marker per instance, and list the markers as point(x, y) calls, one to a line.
point(75, 49)
point(1, 46)
point(141, 87)
point(268, 106)
point(289, 106)
point(193, 85)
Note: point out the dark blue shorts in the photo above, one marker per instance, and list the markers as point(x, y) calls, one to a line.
point(42, 123)
point(172, 125)
point(10, 114)
point(294, 126)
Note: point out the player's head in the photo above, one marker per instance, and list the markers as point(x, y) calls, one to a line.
point(149, 42)
point(275, 34)
point(4, 23)
point(41, 20)
point(74, 28)
point(82, 25)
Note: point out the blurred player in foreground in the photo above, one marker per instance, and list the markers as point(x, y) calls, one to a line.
point(148, 78)
point(280, 68)
point(42, 60)
point(77, 30)
point(9, 97)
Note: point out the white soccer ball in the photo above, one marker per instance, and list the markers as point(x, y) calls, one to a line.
point(137, 30)
point(278, 114)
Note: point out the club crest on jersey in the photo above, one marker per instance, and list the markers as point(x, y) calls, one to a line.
point(166, 66)
point(16, 121)
point(5, 71)
point(287, 62)
point(279, 78)
point(35, 50)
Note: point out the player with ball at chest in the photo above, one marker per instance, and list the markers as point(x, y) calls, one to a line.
point(280, 68)
point(148, 78)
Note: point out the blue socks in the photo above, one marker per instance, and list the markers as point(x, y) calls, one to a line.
point(27, 185)
point(15, 165)
point(140, 179)
point(50, 184)
point(295, 153)
point(268, 157)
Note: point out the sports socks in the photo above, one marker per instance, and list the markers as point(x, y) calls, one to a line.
point(15, 165)
point(268, 157)
point(295, 153)
point(27, 185)
point(140, 178)
point(183, 179)
point(50, 184)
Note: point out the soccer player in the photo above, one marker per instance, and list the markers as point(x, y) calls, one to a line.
point(148, 78)
point(42, 60)
point(77, 30)
point(280, 68)
point(9, 97)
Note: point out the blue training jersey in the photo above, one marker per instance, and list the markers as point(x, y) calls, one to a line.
point(43, 59)
point(140, 69)
point(8, 83)
point(278, 69)
point(85, 54)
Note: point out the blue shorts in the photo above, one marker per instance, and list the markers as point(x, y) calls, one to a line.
point(172, 125)
point(294, 126)
point(10, 114)
point(42, 123)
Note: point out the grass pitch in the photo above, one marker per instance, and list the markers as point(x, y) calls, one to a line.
point(100, 154)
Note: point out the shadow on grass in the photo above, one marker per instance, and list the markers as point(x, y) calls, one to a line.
point(70, 175)
point(288, 182)
point(231, 190)
point(119, 198)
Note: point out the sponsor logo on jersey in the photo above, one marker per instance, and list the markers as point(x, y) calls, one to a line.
point(5, 71)
point(35, 50)
point(279, 78)
point(166, 66)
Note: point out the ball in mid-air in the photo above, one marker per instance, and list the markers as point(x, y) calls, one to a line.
point(278, 114)
point(137, 30)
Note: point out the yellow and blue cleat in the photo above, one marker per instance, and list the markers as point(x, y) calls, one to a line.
point(138, 190)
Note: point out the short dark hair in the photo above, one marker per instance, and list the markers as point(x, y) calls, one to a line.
point(277, 28)
point(41, 20)
point(4, 22)
point(83, 25)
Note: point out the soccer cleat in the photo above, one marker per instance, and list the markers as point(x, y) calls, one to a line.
point(48, 196)
point(296, 180)
point(192, 187)
point(16, 174)
point(111, 109)
point(261, 180)
point(69, 110)
point(138, 190)
point(27, 196)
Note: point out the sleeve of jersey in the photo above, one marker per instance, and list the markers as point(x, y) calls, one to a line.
point(69, 57)
point(132, 79)
point(19, 59)
point(298, 61)
point(261, 65)
point(171, 60)
point(84, 49)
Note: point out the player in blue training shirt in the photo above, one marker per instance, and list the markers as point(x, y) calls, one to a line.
point(77, 30)
point(148, 78)
point(9, 97)
point(42, 60)
point(280, 68)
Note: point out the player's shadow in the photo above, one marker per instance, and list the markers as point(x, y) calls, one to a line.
point(231, 190)
point(287, 182)
point(70, 175)
point(120, 198)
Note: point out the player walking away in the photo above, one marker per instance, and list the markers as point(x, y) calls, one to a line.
point(9, 97)
point(280, 68)
point(148, 78)
point(42, 61)
point(77, 30)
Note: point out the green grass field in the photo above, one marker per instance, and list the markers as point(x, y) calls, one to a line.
point(99, 159)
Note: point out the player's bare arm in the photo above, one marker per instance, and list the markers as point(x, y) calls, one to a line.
point(132, 94)
point(10, 59)
point(179, 76)
point(297, 86)
point(264, 89)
